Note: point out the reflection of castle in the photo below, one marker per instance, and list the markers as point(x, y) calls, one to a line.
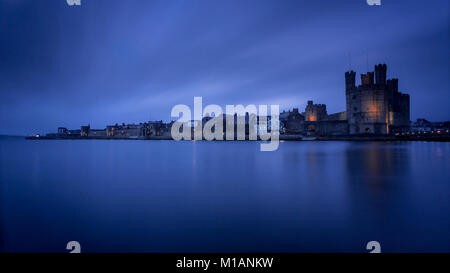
point(374, 107)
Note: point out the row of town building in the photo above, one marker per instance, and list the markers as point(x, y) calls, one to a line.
point(146, 129)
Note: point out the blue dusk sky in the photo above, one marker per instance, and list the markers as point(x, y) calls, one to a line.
point(130, 61)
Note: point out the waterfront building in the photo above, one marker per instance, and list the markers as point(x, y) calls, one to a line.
point(375, 106)
point(74, 133)
point(97, 133)
point(124, 130)
point(293, 122)
point(153, 128)
point(315, 112)
point(85, 130)
point(62, 131)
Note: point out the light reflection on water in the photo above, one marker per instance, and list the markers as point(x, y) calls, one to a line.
point(171, 196)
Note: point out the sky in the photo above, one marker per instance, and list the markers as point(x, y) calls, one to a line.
point(131, 61)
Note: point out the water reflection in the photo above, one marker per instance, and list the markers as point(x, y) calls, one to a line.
point(223, 196)
point(379, 164)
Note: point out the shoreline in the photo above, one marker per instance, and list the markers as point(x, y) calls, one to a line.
point(443, 138)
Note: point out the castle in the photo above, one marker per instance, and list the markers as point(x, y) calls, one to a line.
point(373, 107)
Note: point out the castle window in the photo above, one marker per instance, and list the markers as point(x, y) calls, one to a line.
point(355, 109)
point(354, 97)
point(367, 130)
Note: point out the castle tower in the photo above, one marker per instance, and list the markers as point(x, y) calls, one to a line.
point(350, 82)
point(380, 74)
point(376, 107)
point(352, 96)
point(392, 85)
point(367, 79)
point(315, 112)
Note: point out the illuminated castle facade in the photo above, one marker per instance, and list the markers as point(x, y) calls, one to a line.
point(376, 106)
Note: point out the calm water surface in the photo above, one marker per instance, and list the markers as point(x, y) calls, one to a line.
point(166, 196)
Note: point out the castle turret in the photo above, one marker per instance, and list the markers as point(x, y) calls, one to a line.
point(367, 79)
point(380, 74)
point(350, 80)
point(315, 112)
point(392, 85)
